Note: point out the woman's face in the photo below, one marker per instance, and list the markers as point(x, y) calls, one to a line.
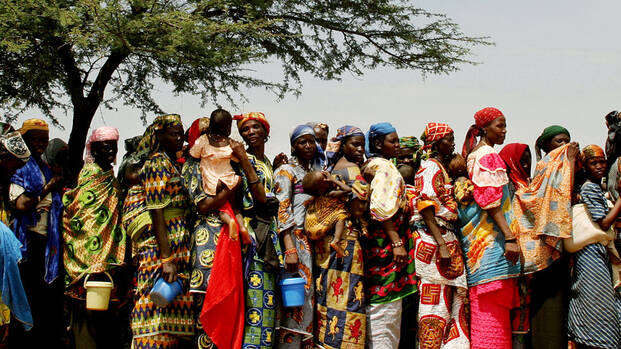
point(406, 156)
point(253, 133)
point(353, 149)
point(104, 152)
point(446, 145)
point(526, 160)
point(171, 138)
point(37, 141)
point(596, 167)
point(496, 131)
point(389, 148)
point(557, 141)
point(305, 147)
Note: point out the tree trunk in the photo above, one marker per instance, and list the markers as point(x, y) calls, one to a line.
point(83, 114)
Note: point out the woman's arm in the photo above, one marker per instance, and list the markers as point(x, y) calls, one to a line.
point(430, 221)
point(512, 250)
point(213, 203)
point(398, 251)
point(25, 202)
point(169, 268)
point(256, 187)
point(606, 222)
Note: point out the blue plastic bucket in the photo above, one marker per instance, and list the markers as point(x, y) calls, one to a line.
point(163, 292)
point(292, 292)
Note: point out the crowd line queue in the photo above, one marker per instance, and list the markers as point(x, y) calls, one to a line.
point(398, 242)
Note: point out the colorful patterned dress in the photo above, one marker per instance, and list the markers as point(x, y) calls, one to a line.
point(155, 327)
point(261, 293)
point(442, 314)
point(205, 235)
point(491, 277)
point(296, 324)
point(340, 318)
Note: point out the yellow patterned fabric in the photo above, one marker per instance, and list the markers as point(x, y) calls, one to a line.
point(34, 124)
point(149, 143)
point(322, 214)
point(387, 188)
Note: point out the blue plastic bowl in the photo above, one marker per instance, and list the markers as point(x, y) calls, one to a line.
point(292, 292)
point(163, 292)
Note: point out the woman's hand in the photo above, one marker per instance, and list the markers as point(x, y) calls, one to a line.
point(292, 262)
point(238, 149)
point(279, 160)
point(169, 272)
point(512, 252)
point(399, 255)
point(572, 151)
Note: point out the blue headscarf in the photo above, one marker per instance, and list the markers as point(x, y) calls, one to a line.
point(29, 178)
point(303, 130)
point(377, 130)
point(13, 293)
point(333, 153)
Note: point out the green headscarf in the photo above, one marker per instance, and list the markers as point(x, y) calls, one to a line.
point(547, 134)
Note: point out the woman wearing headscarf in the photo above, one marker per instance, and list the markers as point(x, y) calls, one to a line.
point(389, 247)
point(296, 324)
point(340, 309)
point(408, 152)
point(13, 303)
point(490, 247)
point(264, 259)
point(162, 249)
point(543, 217)
point(94, 241)
point(594, 304)
point(439, 261)
point(551, 138)
point(518, 159)
point(35, 192)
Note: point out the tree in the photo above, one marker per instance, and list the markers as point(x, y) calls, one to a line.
point(55, 51)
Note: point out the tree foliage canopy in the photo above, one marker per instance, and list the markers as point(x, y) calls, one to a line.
point(65, 53)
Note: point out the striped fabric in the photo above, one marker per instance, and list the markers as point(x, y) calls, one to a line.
point(594, 307)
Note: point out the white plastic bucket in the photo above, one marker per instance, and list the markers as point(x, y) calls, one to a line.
point(98, 293)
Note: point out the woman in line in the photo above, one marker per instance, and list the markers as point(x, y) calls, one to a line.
point(340, 316)
point(594, 305)
point(296, 324)
point(35, 192)
point(264, 258)
point(518, 158)
point(94, 242)
point(490, 248)
point(389, 247)
point(162, 250)
point(439, 263)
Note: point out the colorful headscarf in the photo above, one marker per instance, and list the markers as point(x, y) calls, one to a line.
point(334, 145)
point(149, 143)
point(377, 130)
point(512, 155)
point(482, 118)
point(198, 127)
point(592, 151)
point(317, 124)
point(547, 134)
point(257, 116)
point(14, 144)
point(34, 124)
point(104, 133)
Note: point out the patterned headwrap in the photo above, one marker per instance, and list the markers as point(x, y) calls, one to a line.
point(547, 134)
point(104, 133)
point(34, 124)
point(299, 131)
point(198, 127)
point(149, 143)
point(317, 124)
point(334, 145)
point(377, 130)
point(257, 116)
point(14, 144)
point(592, 151)
point(482, 118)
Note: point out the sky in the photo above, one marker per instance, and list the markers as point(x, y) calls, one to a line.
point(553, 62)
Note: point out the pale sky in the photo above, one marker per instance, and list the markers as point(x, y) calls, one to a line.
point(554, 62)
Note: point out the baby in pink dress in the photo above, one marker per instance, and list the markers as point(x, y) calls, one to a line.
point(215, 152)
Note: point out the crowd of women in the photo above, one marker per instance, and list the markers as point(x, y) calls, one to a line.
point(401, 242)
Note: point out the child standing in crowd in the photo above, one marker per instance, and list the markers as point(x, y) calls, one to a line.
point(214, 150)
point(594, 306)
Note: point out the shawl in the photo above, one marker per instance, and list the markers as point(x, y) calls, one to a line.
point(542, 211)
point(94, 238)
point(13, 293)
point(547, 134)
point(29, 178)
point(387, 189)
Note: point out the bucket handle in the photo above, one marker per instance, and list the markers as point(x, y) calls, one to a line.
point(105, 272)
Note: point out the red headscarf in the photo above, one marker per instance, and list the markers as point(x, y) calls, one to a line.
point(197, 128)
point(512, 154)
point(482, 118)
